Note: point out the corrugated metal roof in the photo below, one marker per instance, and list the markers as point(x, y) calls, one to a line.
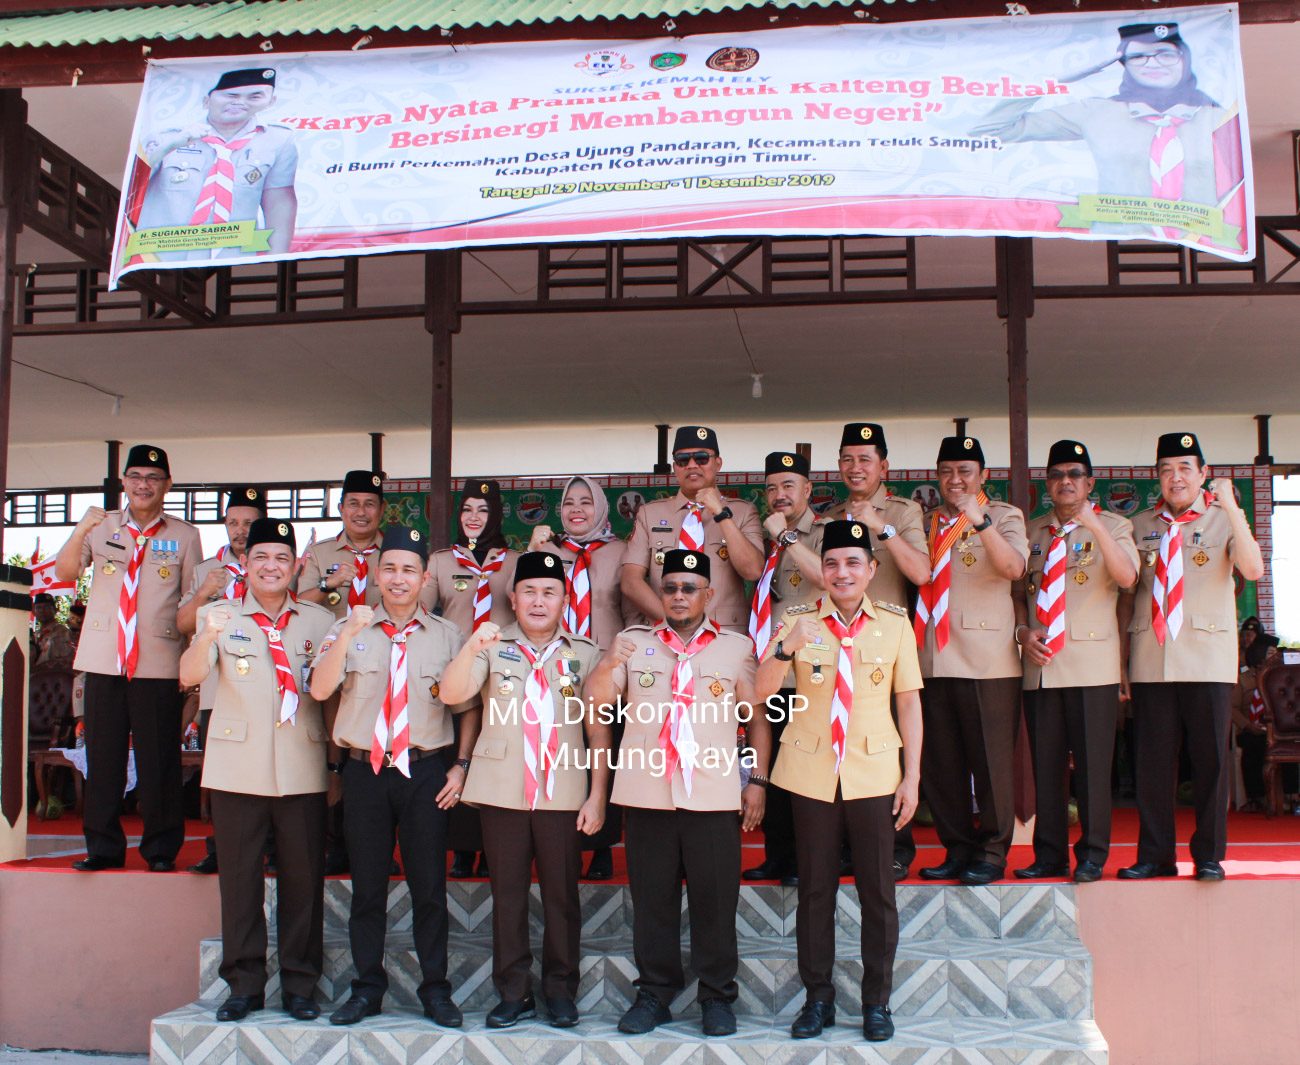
point(265, 18)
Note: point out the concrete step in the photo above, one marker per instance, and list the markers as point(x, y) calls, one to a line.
point(191, 1036)
point(1043, 979)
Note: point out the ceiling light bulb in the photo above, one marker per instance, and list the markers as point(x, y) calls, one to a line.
point(756, 380)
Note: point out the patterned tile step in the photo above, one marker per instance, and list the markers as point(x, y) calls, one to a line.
point(400, 1036)
point(998, 911)
point(1046, 979)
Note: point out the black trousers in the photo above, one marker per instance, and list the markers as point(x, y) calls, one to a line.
point(970, 728)
point(382, 808)
point(513, 840)
point(147, 713)
point(1198, 717)
point(659, 844)
point(1081, 721)
point(1253, 747)
point(778, 816)
point(821, 827)
point(241, 823)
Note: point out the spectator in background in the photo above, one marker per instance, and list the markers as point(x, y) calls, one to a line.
point(53, 645)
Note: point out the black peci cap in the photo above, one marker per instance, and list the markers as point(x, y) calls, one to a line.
point(364, 482)
point(785, 462)
point(1176, 445)
point(234, 79)
point(42, 599)
point(271, 531)
point(858, 433)
point(1152, 32)
point(960, 449)
point(404, 538)
point(247, 495)
point(679, 561)
point(1064, 451)
point(480, 488)
point(534, 565)
point(846, 534)
point(149, 457)
point(693, 436)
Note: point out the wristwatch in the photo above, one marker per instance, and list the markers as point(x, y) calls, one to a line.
point(322, 586)
point(887, 533)
point(780, 652)
point(723, 514)
point(334, 767)
point(982, 525)
point(463, 763)
point(788, 537)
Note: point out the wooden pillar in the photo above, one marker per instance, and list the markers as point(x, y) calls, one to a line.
point(377, 452)
point(1262, 456)
point(113, 476)
point(1015, 275)
point(13, 125)
point(442, 320)
point(662, 465)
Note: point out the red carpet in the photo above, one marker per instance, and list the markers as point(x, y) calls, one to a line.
point(1258, 848)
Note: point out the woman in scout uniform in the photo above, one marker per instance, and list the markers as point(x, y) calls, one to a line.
point(839, 761)
point(470, 584)
point(528, 777)
point(593, 560)
point(264, 769)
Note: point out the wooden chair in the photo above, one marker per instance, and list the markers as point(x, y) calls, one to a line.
point(49, 712)
point(1280, 688)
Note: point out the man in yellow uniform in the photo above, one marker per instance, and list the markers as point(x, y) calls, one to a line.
point(839, 761)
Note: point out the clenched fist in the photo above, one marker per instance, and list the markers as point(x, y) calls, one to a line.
point(801, 633)
point(484, 636)
point(217, 619)
point(92, 517)
point(360, 617)
point(623, 648)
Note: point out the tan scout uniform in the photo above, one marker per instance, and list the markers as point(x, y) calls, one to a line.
point(789, 586)
point(1253, 744)
point(452, 590)
point(325, 557)
point(264, 776)
point(610, 612)
point(514, 837)
point(1071, 703)
point(857, 801)
point(973, 690)
point(208, 689)
point(889, 585)
point(657, 527)
point(146, 710)
point(668, 830)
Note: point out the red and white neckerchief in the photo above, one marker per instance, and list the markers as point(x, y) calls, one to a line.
point(932, 598)
point(1167, 588)
point(357, 589)
point(541, 737)
point(760, 610)
point(677, 736)
point(577, 615)
point(1050, 604)
point(842, 699)
point(483, 594)
point(1255, 712)
point(1166, 163)
point(128, 638)
point(217, 199)
point(235, 587)
point(691, 538)
point(285, 682)
point(392, 722)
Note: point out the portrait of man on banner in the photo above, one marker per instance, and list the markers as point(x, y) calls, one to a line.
point(221, 186)
point(1168, 156)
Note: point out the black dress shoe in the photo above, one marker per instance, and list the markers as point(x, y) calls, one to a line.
point(1087, 873)
point(1209, 871)
point(767, 870)
point(978, 873)
point(563, 1012)
point(357, 1008)
point(162, 865)
point(206, 865)
point(900, 871)
point(1042, 871)
point(444, 1013)
point(601, 866)
point(300, 1007)
point(462, 867)
point(950, 869)
point(877, 1024)
point(646, 1014)
point(1146, 871)
point(812, 1019)
point(792, 880)
point(846, 866)
point(93, 863)
point(237, 1007)
point(336, 864)
point(482, 869)
point(719, 1019)
point(507, 1014)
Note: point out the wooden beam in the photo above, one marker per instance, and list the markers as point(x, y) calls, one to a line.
point(442, 321)
point(13, 129)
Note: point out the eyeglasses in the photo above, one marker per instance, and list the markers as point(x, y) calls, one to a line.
point(684, 589)
point(1142, 59)
point(1074, 474)
point(685, 458)
point(151, 479)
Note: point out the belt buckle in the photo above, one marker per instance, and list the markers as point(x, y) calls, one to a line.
point(389, 763)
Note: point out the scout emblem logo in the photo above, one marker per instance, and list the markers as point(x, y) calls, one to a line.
point(375, 480)
point(1080, 577)
point(715, 689)
point(689, 562)
point(1186, 441)
point(857, 532)
point(723, 553)
point(702, 433)
point(532, 507)
point(733, 60)
point(253, 176)
point(485, 488)
point(549, 561)
point(164, 572)
point(796, 579)
point(251, 493)
point(968, 443)
point(1162, 32)
point(787, 461)
point(1078, 449)
point(282, 529)
point(600, 64)
point(877, 675)
point(1200, 558)
point(866, 432)
point(415, 536)
point(153, 455)
point(968, 559)
point(667, 60)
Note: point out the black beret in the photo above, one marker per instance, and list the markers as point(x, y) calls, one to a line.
point(678, 561)
point(404, 538)
point(78, 608)
point(846, 534)
point(1150, 31)
point(233, 79)
point(146, 455)
point(1176, 445)
point(960, 449)
point(271, 531)
point(533, 565)
point(858, 433)
point(689, 437)
point(364, 482)
point(785, 462)
point(247, 495)
point(1064, 451)
point(480, 488)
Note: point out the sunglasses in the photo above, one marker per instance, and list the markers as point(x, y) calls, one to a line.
point(685, 458)
point(673, 588)
point(1075, 474)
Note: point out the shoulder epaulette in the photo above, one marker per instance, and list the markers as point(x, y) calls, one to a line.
point(640, 628)
point(893, 608)
point(802, 608)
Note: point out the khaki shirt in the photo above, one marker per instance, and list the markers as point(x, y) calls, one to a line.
point(655, 532)
point(1206, 647)
point(248, 750)
point(1091, 653)
point(609, 612)
point(889, 585)
point(208, 689)
point(54, 646)
point(168, 567)
point(884, 661)
point(325, 557)
point(496, 772)
point(453, 587)
point(981, 616)
point(789, 586)
point(365, 682)
point(724, 678)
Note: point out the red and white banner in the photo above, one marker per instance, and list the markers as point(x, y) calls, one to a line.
point(1091, 126)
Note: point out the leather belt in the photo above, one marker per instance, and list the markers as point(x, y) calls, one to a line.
point(415, 753)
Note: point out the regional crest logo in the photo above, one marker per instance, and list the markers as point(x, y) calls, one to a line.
point(1122, 497)
point(732, 60)
point(667, 60)
point(532, 507)
point(603, 63)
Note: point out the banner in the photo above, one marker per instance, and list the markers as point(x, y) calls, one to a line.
point(1090, 126)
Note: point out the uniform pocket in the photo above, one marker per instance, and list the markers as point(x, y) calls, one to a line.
point(800, 739)
point(227, 729)
point(490, 747)
point(878, 742)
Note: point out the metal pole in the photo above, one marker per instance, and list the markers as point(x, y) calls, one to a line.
point(13, 124)
point(442, 321)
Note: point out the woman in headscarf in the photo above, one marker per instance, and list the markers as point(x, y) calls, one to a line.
point(593, 561)
point(470, 584)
